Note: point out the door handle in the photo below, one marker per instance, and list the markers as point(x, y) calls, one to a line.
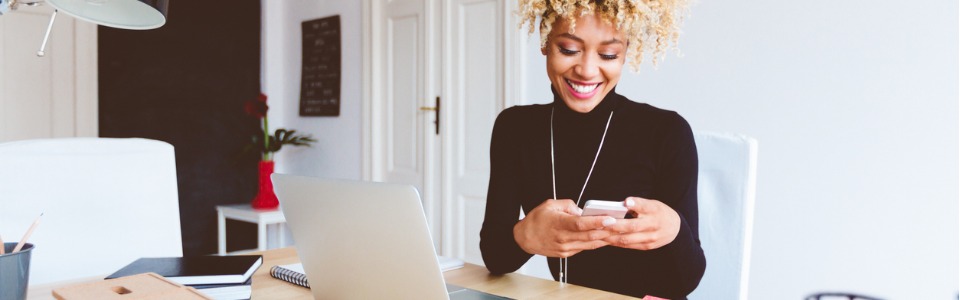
point(436, 112)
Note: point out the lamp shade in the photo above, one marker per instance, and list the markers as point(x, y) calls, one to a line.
point(124, 14)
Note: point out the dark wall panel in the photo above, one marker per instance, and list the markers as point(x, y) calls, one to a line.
point(185, 83)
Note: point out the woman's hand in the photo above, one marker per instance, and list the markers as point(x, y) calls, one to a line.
point(655, 225)
point(556, 229)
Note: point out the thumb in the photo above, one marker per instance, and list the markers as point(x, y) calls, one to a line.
point(588, 223)
point(566, 206)
point(572, 209)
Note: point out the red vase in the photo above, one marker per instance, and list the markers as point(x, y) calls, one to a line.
point(265, 198)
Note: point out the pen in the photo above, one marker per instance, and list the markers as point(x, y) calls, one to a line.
point(27, 235)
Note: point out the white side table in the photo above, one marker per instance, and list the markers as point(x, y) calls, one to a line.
point(246, 213)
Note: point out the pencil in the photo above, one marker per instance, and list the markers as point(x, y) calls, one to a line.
point(27, 235)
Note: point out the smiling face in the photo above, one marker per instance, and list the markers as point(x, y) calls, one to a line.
point(585, 65)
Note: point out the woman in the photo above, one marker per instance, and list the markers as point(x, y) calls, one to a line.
point(592, 143)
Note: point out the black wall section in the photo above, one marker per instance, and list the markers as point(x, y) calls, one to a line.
point(185, 83)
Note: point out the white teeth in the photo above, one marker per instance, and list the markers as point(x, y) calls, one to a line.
point(582, 89)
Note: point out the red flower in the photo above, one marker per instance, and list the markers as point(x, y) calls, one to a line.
point(270, 144)
point(257, 108)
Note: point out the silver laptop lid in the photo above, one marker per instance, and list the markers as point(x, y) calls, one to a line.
point(360, 240)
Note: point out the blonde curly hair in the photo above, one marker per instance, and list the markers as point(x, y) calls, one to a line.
point(650, 26)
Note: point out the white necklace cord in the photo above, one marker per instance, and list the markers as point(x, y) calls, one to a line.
point(564, 263)
point(594, 158)
point(553, 171)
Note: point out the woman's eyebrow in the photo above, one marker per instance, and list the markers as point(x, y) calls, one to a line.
point(572, 37)
point(578, 39)
point(611, 41)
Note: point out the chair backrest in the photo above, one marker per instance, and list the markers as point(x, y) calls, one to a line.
point(725, 192)
point(106, 202)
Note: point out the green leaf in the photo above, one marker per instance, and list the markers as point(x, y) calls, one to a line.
point(282, 137)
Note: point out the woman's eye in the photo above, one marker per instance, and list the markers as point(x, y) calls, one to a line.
point(609, 56)
point(567, 52)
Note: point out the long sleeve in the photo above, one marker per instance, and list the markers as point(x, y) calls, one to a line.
point(683, 262)
point(500, 251)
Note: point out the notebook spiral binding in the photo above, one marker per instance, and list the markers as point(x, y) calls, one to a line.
point(290, 276)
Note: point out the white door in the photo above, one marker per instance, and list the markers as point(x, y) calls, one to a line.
point(50, 96)
point(476, 79)
point(403, 134)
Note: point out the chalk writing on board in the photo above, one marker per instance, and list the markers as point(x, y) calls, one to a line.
point(320, 73)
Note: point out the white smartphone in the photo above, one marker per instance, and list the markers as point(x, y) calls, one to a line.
point(604, 208)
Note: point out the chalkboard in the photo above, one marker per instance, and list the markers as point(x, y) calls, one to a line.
point(320, 75)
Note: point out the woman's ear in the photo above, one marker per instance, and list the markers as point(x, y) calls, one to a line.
point(543, 50)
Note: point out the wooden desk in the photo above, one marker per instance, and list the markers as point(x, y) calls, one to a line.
point(515, 286)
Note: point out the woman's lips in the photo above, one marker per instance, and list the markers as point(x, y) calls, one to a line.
point(582, 90)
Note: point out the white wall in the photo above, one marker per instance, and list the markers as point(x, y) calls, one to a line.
point(855, 106)
point(337, 152)
point(53, 96)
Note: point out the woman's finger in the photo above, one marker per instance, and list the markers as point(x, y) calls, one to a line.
point(562, 205)
point(641, 206)
point(569, 249)
point(577, 223)
point(571, 208)
point(584, 236)
point(642, 224)
point(636, 240)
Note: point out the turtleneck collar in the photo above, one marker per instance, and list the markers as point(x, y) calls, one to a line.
point(607, 104)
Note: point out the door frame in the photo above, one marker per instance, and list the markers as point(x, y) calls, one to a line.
point(87, 80)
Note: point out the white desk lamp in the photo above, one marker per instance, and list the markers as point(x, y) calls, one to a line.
point(123, 14)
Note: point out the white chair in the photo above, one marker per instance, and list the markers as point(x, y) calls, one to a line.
point(725, 192)
point(106, 202)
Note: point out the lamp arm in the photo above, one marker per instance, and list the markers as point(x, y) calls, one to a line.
point(47, 35)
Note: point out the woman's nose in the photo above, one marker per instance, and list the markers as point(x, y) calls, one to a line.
point(588, 68)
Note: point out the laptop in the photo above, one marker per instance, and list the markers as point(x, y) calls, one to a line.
point(363, 240)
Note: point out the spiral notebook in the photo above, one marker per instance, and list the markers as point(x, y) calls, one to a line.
point(293, 273)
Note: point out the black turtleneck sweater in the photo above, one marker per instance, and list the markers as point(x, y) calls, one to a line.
point(648, 152)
